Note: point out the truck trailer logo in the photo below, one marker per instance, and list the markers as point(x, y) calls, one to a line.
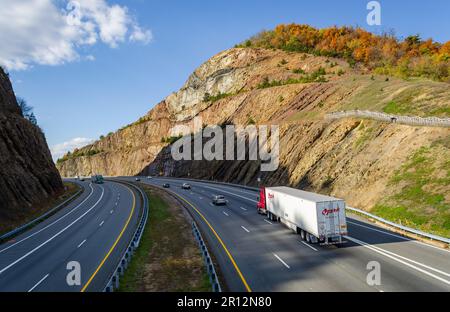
point(326, 212)
point(271, 196)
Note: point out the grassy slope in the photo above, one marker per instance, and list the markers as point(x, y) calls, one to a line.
point(424, 198)
point(166, 260)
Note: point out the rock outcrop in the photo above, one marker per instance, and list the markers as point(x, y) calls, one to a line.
point(28, 175)
point(351, 158)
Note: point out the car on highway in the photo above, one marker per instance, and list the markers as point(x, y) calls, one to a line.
point(149, 178)
point(219, 200)
point(138, 179)
point(166, 185)
point(186, 186)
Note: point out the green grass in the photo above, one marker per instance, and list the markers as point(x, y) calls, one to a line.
point(162, 246)
point(416, 98)
point(415, 205)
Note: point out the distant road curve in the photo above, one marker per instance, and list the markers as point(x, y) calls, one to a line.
point(93, 230)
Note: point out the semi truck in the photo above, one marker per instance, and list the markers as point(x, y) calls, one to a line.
point(97, 179)
point(319, 219)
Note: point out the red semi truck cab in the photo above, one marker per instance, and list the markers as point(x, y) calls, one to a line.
point(261, 205)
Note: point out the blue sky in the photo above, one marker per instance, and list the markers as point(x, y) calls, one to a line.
point(109, 85)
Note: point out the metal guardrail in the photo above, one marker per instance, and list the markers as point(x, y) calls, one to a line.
point(407, 120)
point(207, 258)
point(395, 225)
point(40, 218)
point(401, 227)
point(114, 281)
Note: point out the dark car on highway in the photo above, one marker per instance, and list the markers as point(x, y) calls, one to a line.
point(166, 185)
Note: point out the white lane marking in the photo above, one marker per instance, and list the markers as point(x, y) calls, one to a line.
point(281, 260)
point(51, 224)
point(81, 244)
point(243, 208)
point(211, 204)
point(54, 236)
point(103, 222)
point(398, 236)
point(382, 252)
point(268, 221)
point(111, 212)
point(39, 283)
point(412, 261)
point(225, 213)
point(245, 229)
point(200, 197)
point(306, 244)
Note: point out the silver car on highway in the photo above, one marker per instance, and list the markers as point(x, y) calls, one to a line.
point(219, 200)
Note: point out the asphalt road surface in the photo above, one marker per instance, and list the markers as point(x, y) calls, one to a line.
point(93, 230)
point(255, 254)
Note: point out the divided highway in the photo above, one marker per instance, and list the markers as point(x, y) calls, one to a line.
point(93, 230)
point(255, 254)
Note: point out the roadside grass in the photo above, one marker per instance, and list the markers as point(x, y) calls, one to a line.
point(168, 258)
point(419, 97)
point(423, 201)
point(19, 218)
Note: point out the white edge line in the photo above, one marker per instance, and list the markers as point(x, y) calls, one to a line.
point(51, 224)
point(39, 283)
point(398, 236)
point(54, 236)
point(366, 245)
point(225, 213)
point(281, 260)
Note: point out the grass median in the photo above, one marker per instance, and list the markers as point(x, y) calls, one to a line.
point(168, 258)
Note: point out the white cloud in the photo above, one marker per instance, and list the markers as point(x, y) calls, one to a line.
point(50, 32)
point(59, 150)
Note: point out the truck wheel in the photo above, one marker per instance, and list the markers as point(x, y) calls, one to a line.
point(302, 235)
point(308, 238)
point(314, 240)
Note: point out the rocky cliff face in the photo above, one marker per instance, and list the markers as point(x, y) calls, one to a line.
point(27, 174)
point(354, 159)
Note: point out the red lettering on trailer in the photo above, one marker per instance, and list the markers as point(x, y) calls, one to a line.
point(271, 195)
point(326, 212)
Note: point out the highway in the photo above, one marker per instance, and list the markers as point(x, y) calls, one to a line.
point(92, 230)
point(255, 254)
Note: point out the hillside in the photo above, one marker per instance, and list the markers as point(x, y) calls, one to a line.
point(398, 171)
point(28, 175)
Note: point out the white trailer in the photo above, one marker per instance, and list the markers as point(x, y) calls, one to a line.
point(317, 218)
